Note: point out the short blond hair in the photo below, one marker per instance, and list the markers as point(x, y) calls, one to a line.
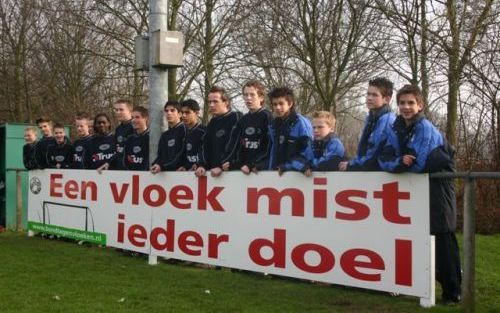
point(30, 129)
point(327, 116)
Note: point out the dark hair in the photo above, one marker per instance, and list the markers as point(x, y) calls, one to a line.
point(412, 90)
point(142, 110)
point(82, 116)
point(222, 92)
point(284, 92)
point(192, 104)
point(172, 103)
point(58, 125)
point(98, 116)
point(125, 101)
point(384, 85)
point(43, 119)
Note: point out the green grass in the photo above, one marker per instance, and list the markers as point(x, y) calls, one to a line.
point(36, 271)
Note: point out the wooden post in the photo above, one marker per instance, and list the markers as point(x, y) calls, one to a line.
point(468, 292)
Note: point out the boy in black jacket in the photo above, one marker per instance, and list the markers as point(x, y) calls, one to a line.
point(190, 110)
point(220, 129)
point(123, 113)
point(45, 126)
point(136, 149)
point(82, 122)
point(251, 150)
point(60, 154)
point(30, 137)
point(171, 146)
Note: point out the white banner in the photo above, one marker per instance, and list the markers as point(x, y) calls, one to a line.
point(368, 230)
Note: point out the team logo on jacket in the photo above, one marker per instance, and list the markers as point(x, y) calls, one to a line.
point(189, 147)
point(220, 133)
point(120, 138)
point(134, 159)
point(59, 158)
point(281, 139)
point(136, 149)
point(250, 131)
point(104, 146)
point(79, 148)
point(35, 185)
point(171, 142)
point(102, 156)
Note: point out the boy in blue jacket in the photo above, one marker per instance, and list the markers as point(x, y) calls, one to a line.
point(377, 124)
point(290, 134)
point(415, 145)
point(327, 149)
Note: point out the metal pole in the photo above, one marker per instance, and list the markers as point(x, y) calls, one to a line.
point(158, 77)
point(19, 201)
point(469, 245)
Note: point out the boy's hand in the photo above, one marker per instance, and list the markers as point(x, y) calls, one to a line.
point(200, 171)
point(103, 167)
point(280, 170)
point(155, 169)
point(226, 166)
point(343, 166)
point(216, 171)
point(58, 165)
point(308, 172)
point(408, 159)
point(245, 169)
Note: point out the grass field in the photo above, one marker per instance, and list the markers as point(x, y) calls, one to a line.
point(42, 275)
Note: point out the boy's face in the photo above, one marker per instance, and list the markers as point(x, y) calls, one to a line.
point(29, 136)
point(216, 106)
point(59, 134)
point(45, 129)
point(281, 106)
point(321, 128)
point(82, 127)
point(188, 116)
point(122, 112)
point(171, 115)
point(253, 100)
point(409, 106)
point(139, 123)
point(102, 125)
point(374, 98)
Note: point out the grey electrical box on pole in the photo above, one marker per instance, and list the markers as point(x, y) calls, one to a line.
point(168, 48)
point(141, 53)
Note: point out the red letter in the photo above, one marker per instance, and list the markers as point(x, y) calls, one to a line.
point(277, 245)
point(168, 232)
point(118, 197)
point(319, 196)
point(54, 184)
point(181, 192)
point(136, 231)
point(326, 263)
point(213, 244)
point(162, 195)
point(349, 264)
point(403, 262)
point(390, 204)
point(361, 211)
point(296, 197)
point(211, 197)
point(184, 242)
point(93, 190)
point(70, 188)
point(121, 228)
point(135, 189)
